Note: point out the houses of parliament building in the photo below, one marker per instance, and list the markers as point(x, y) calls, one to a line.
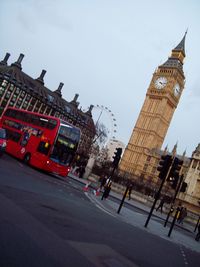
point(142, 154)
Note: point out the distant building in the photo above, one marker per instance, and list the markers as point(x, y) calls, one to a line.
point(111, 147)
point(192, 178)
point(19, 90)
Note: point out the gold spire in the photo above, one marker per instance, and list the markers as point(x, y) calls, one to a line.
point(174, 149)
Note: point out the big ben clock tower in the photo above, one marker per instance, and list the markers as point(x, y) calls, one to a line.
point(161, 100)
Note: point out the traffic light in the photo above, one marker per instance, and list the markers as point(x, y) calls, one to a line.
point(164, 165)
point(117, 156)
point(174, 172)
point(183, 187)
point(174, 180)
point(176, 166)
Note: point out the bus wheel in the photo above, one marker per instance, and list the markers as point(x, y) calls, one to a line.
point(27, 158)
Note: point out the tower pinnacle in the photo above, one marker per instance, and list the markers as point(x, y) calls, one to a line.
point(181, 45)
point(177, 56)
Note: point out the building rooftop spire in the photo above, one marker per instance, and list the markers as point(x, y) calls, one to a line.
point(181, 45)
point(177, 56)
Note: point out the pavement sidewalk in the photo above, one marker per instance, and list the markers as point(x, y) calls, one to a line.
point(182, 234)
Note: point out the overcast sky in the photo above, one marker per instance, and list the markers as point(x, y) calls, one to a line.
point(106, 51)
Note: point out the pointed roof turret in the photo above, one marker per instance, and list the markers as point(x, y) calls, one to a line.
point(165, 150)
point(184, 153)
point(177, 56)
point(58, 91)
point(196, 151)
point(174, 149)
point(181, 45)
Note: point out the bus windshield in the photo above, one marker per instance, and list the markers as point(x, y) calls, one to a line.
point(65, 144)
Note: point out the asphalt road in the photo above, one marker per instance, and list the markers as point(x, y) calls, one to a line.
point(46, 221)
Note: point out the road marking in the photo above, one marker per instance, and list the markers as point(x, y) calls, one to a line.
point(98, 205)
point(184, 256)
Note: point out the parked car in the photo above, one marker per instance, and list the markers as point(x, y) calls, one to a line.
point(2, 141)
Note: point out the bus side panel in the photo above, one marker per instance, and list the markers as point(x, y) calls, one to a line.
point(14, 149)
point(37, 159)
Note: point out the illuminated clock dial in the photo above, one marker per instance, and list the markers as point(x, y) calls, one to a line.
point(161, 82)
point(177, 89)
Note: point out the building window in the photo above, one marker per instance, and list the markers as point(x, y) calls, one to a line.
point(30, 108)
point(8, 95)
point(194, 164)
point(4, 83)
point(48, 110)
point(42, 108)
point(23, 94)
point(67, 109)
point(11, 104)
point(17, 91)
point(2, 90)
point(50, 98)
point(4, 103)
point(11, 88)
point(25, 104)
point(28, 97)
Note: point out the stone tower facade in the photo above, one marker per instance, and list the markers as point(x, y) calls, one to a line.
point(161, 100)
point(192, 178)
point(193, 174)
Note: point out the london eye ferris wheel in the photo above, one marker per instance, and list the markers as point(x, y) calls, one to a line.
point(104, 119)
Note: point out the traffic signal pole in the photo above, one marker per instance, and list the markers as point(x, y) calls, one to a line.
point(122, 201)
point(173, 222)
point(173, 200)
point(157, 195)
point(155, 201)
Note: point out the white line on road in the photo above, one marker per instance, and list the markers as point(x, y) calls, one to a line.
point(99, 206)
point(184, 256)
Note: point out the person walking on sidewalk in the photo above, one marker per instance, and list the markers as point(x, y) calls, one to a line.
point(129, 191)
point(160, 206)
point(107, 189)
point(102, 181)
point(182, 215)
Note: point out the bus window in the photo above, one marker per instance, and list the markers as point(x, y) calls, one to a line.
point(25, 138)
point(44, 147)
point(12, 135)
point(62, 153)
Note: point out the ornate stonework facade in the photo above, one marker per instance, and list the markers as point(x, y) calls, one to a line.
point(17, 89)
point(192, 178)
point(161, 100)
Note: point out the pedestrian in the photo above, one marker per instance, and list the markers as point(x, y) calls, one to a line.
point(182, 215)
point(107, 189)
point(160, 206)
point(81, 171)
point(197, 237)
point(102, 180)
point(130, 187)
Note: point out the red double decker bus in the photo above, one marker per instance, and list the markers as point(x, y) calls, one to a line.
point(45, 142)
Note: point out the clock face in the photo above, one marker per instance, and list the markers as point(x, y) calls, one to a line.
point(161, 82)
point(177, 89)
